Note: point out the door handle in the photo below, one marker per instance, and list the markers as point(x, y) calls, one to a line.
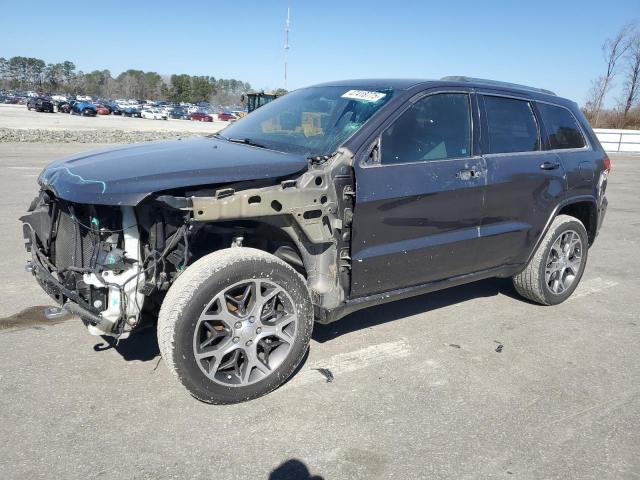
point(468, 174)
point(550, 165)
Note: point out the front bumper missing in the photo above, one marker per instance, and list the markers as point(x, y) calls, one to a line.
point(69, 300)
point(118, 307)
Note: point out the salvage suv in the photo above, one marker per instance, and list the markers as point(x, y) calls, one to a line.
point(327, 200)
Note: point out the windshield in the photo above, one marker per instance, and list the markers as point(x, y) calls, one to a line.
point(311, 121)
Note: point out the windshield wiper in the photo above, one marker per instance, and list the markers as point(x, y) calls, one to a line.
point(246, 141)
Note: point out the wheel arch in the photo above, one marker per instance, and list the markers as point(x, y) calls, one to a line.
point(282, 237)
point(583, 207)
point(271, 236)
point(586, 211)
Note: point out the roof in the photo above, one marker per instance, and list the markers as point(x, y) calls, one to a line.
point(496, 83)
point(453, 81)
point(395, 83)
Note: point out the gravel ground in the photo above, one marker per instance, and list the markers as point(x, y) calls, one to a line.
point(8, 135)
point(466, 383)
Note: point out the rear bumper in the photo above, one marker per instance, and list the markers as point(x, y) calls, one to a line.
point(602, 211)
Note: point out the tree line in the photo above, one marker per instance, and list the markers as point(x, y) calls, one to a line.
point(622, 62)
point(26, 73)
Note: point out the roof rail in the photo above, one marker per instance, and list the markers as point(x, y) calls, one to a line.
point(496, 83)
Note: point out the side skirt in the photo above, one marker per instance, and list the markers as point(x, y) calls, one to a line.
point(329, 316)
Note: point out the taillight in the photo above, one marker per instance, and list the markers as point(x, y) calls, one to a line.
point(607, 163)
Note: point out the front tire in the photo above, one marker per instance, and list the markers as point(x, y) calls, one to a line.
point(555, 270)
point(235, 325)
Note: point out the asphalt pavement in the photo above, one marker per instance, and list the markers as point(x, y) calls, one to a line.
point(466, 383)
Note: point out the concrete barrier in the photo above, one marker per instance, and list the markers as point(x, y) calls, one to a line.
point(616, 140)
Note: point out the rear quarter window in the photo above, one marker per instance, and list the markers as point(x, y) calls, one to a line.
point(511, 125)
point(562, 128)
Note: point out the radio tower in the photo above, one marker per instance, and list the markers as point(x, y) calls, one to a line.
point(286, 42)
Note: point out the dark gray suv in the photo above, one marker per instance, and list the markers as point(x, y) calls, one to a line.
point(329, 199)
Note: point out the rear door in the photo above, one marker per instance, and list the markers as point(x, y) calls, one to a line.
point(567, 140)
point(419, 196)
point(524, 181)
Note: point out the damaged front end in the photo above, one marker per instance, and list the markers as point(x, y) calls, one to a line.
point(108, 249)
point(90, 259)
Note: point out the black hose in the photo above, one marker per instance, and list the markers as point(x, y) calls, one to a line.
point(84, 314)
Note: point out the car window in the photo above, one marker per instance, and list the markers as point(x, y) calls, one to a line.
point(511, 124)
point(435, 128)
point(561, 126)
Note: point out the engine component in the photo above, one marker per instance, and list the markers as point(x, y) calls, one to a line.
point(124, 300)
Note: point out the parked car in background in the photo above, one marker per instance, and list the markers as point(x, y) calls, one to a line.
point(226, 117)
point(178, 113)
point(123, 104)
point(40, 104)
point(16, 99)
point(201, 117)
point(131, 111)
point(103, 110)
point(153, 114)
point(63, 106)
point(86, 109)
point(115, 109)
point(166, 109)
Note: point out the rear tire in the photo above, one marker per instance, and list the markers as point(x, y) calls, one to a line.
point(226, 345)
point(555, 270)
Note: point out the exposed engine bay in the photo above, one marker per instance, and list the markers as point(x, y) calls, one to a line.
point(112, 265)
point(102, 262)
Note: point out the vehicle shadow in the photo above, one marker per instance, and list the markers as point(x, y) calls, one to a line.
point(388, 312)
point(293, 469)
point(142, 346)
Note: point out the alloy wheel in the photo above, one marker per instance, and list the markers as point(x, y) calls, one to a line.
point(563, 262)
point(245, 332)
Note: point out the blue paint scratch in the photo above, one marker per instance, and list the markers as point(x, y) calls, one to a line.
point(83, 180)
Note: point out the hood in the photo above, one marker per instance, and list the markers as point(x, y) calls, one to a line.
point(126, 175)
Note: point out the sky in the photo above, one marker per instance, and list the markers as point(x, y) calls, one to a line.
point(548, 44)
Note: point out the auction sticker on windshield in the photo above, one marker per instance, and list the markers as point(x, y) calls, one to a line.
point(364, 95)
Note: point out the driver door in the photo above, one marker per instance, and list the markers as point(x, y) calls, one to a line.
point(419, 204)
